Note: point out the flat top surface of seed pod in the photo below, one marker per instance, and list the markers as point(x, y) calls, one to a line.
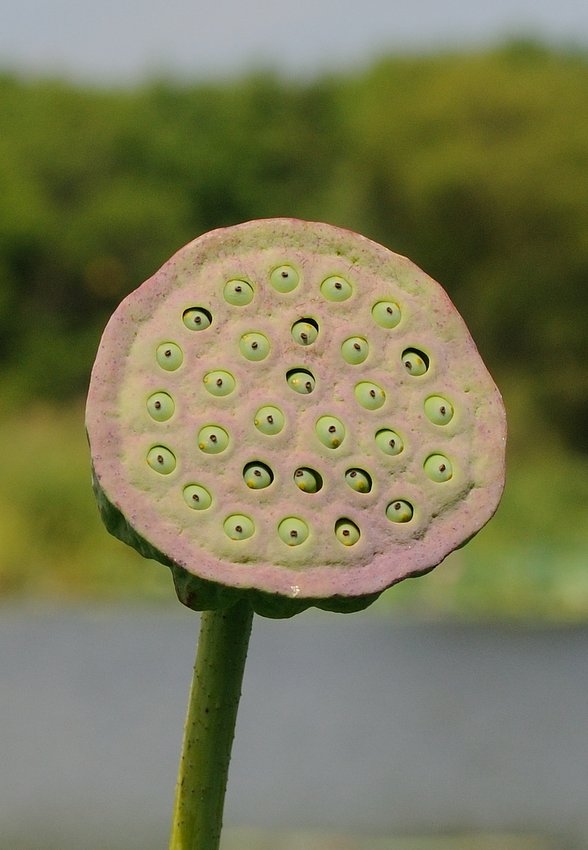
point(290, 407)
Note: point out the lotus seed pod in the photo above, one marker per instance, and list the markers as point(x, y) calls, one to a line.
point(308, 476)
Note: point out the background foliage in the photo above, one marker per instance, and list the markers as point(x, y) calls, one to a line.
point(475, 165)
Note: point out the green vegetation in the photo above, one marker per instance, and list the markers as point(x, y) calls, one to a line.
point(474, 165)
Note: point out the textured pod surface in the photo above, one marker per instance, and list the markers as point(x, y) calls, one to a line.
point(181, 408)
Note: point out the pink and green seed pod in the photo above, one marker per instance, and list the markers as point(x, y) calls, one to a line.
point(290, 412)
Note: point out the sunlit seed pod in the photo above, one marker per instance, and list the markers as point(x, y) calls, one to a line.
point(389, 441)
point(219, 383)
point(239, 293)
point(284, 278)
point(336, 288)
point(415, 362)
point(347, 532)
point(254, 346)
point(197, 497)
point(308, 480)
point(239, 527)
point(212, 439)
point(438, 410)
point(386, 314)
point(438, 468)
point(197, 318)
point(269, 420)
point(355, 350)
point(169, 356)
point(305, 331)
point(161, 459)
point(399, 511)
point(257, 475)
point(293, 531)
point(301, 381)
point(160, 406)
point(369, 395)
point(359, 480)
point(330, 431)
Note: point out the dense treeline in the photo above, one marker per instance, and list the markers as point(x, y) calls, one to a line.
point(474, 165)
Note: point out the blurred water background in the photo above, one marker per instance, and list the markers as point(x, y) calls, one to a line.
point(461, 142)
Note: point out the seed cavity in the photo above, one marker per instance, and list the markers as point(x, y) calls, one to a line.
point(305, 331)
point(239, 527)
point(238, 293)
point(438, 468)
point(438, 410)
point(197, 497)
point(330, 431)
point(415, 362)
point(169, 356)
point(347, 532)
point(399, 511)
point(293, 531)
point(269, 420)
point(161, 459)
point(254, 346)
point(197, 318)
point(212, 439)
point(386, 314)
point(336, 288)
point(389, 441)
point(284, 278)
point(355, 350)
point(359, 480)
point(257, 475)
point(308, 480)
point(301, 381)
point(160, 406)
point(219, 383)
point(369, 395)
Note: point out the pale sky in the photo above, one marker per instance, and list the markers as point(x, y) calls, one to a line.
point(124, 40)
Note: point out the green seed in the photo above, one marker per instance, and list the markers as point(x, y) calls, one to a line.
point(347, 532)
point(197, 497)
point(355, 350)
point(301, 381)
point(254, 346)
point(219, 383)
point(160, 406)
point(169, 356)
point(305, 331)
point(197, 318)
point(399, 511)
point(293, 531)
point(415, 362)
point(257, 475)
point(359, 480)
point(238, 527)
point(238, 293)
point(269, 420)
point(369, 395)
point(386, 314)
point(308, 480)
point(438, 468)
point(161, 459)
point(330, 431)
point(212, 439)
point(284, 278)
point(439, 410)
point(336, 288)
point(389, 442)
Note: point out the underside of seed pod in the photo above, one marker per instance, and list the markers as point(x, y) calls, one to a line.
point(289, 411)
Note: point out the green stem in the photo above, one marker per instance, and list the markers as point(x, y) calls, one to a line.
point(210, 728)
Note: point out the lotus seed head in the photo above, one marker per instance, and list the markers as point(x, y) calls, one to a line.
point(330, 431)
point(284, 278)
point(197, 497)
point(389, 441)
point(347, 532)
point(336, 288)
point(197, 318)
point(305, 331)
point(239, 527)
point(269, 420)
point(355, 350)
point(169, 356)
point(386, 314)
point(308, 480)
point(438, 468)
point(239, 293)
point(293, 531)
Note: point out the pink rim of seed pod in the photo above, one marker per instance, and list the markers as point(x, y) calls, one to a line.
point(291, 412)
